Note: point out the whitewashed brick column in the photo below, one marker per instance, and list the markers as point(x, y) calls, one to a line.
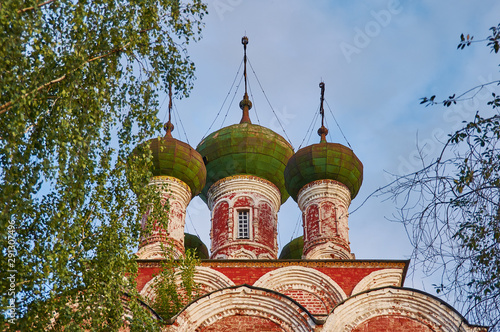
point(324, 205)
point(178, 195)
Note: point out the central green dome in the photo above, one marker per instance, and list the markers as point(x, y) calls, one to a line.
point(245, 148)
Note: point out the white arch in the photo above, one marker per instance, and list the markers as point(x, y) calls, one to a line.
point(222, 200)
point(242, 195)
point(243, 254)
point(209, 279)
point(378, 279)
point(244, 300)
point(328, 250)
point(394, 301)
point(306, 279)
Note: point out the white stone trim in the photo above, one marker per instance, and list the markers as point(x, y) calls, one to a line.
point(178, 195)
point(329, 189)
point(251, 223)
point(155, 251)
point(175, 189)
point(328, 250)
point(243, 300)
point(266, 256)
point(211, 279)
point(239, 242)
point(401, 302)
point(242, 254)
point(326, 245)
point(378, 279)
point(303, 278)
point(241, 184)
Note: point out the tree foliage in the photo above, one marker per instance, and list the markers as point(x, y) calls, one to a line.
point(451, 207)
point(79, 84)
point(175, 286)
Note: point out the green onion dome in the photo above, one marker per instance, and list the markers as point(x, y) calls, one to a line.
point(245, 148)
point(177, 159)
point(293, 249)
point(194, 242)
point(323, 161)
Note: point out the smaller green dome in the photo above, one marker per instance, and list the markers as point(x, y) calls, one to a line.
point(294, 249)
point(194, 242)
point(323, 161)
point(177, 159)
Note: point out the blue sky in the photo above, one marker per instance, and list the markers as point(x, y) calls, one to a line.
point(376, 58)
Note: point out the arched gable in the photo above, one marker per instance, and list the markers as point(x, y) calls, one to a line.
point(423, 311)
point(379, 279)
point(303, 284)
point(247, 301)
point(209, 280)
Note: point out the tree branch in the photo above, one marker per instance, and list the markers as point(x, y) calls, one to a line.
point(5, 107)
point(37, 6)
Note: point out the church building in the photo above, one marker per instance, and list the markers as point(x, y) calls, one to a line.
point(244, 173)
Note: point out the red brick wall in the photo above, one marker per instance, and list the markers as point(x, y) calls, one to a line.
point(311, 302)
point(346, 278)
point(145, 274)
point(328, 219)
point(220, 224)
point(267, 231)
point(241, 323)
point(311, 223)
point(392, 323)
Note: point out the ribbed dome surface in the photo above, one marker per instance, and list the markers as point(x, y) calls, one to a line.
point(323, 161)
point(172, 157)
point(245, 148)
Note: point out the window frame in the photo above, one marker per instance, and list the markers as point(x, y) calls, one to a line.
point(239, 226)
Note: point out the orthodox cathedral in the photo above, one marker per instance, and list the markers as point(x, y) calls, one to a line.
point(244, 172)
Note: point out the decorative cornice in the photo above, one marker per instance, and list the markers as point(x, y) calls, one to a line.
point(244, 183)
point(154, 251)
point(240, 243)
point(327, 250)
point(329, 189)
point(333, 263)
point(242, 254)
point(174, 188)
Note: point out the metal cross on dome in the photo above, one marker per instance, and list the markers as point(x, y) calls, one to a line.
point(245, 104)
point(323, 131)
point(169, 127)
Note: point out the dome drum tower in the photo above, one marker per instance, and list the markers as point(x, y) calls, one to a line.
point(324, 205)
point(323, 178)
point(179, 174)
point(178, 194)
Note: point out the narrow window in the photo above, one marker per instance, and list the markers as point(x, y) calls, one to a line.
point(243, 225)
